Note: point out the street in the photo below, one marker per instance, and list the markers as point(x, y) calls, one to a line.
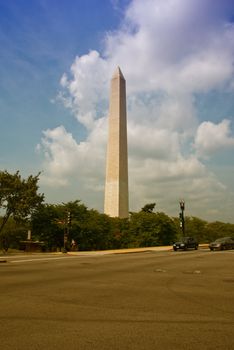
point(146, 300)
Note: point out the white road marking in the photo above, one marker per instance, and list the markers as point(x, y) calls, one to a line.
point(36, 259)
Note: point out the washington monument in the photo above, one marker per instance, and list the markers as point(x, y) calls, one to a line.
point(116, 188)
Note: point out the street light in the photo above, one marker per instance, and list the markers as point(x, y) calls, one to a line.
point(66, 230)
point(182, 207)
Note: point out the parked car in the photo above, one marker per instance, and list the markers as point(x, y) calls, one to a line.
point(222, 243)
point(186, 243)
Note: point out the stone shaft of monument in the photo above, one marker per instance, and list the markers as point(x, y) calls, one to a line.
point(116, 188)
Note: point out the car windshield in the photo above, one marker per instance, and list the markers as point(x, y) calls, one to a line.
point(185, 239)
point(221, 240)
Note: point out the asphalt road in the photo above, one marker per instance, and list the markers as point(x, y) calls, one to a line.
point(148, 300)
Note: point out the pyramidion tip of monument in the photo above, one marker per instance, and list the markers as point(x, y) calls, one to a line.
point(118, 73)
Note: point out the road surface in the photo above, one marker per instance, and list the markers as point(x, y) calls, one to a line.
point(149, 300)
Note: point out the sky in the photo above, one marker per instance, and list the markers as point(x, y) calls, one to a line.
point(56, 62)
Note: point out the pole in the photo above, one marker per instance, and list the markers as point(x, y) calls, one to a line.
point(66, 230)
point(182, 224)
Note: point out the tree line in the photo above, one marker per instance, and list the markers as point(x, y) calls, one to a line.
point(72, 225)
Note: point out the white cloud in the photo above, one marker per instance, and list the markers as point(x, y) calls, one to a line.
point(211, 138)
point(66, 159)
point(86, 90)
point(173, 46)
point(60, 154)
point(168, 50)
point(156, 144)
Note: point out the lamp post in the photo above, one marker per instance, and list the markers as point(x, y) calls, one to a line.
point(182, 207)
point(66, 230)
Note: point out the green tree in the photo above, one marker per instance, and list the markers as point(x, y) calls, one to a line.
point(151, 229)
point(48, 224)
point(13, 233)
point(217, 229)
point(195, 227)
point(148, 208)
point(78, 216)
point(93, 233)
point(119, 232)
point(18, 197)
point(166, 229)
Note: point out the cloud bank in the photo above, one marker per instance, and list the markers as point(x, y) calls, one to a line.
point(170, 51)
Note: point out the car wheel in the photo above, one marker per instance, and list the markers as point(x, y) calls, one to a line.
point(196, 247)
point(175, 249)
point(211, 249)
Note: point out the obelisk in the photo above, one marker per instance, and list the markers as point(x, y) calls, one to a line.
point(116, 188)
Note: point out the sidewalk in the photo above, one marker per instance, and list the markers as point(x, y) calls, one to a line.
point(129, 250)
point(122, 251)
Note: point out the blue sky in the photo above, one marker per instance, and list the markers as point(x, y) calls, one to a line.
point(39, 40)
point(177, 56)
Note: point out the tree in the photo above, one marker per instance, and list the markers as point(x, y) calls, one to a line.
point(48, 223)
point(18, 197)
point(195, 227)
point(166, 229)
point(151, 229)
point(13, 233)
point(217, 229)
point(148, 208)
point(94, 233)
point(120, 232)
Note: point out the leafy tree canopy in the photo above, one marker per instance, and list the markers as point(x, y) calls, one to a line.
point(151, 229)
point(148, 208)
point(18, 197)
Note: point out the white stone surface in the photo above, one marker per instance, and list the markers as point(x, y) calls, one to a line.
point(116, 188)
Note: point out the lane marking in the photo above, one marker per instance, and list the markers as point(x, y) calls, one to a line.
point(37, 259)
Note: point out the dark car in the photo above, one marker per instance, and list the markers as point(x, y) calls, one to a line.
point(186, 243)
point(222, 243)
